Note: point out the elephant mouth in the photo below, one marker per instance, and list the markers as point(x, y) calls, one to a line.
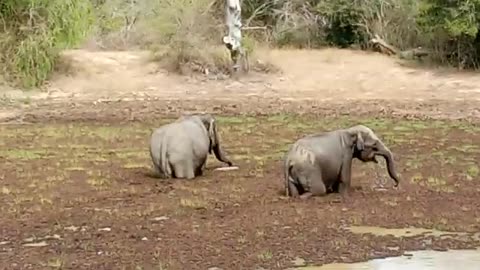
point(367, 156)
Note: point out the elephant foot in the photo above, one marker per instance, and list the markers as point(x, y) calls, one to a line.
point(343, 189)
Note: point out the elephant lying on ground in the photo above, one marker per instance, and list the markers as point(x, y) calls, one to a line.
point(180, 149)
point(322, 162)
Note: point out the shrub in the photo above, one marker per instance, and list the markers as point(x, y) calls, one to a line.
point(187, 33)
point(452, 28)
point(35, 31)
point(340, 23)
point(449, 29)
point(188, 36)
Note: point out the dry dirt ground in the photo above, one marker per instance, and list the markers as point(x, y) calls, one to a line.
point(75, 189)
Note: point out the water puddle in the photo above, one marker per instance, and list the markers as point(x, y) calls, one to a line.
point(412, 231)
point(417, 260)
point(402, 232)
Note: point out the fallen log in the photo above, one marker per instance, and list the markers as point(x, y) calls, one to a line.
point(388, 49)
point(383, 46)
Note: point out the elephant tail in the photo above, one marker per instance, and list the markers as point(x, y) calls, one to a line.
point(164, 157)
point(287, 177)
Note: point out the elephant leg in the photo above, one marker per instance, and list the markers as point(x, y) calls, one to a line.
point(292, 189)
point(184, 170)
point(156, 170)
point(335, 187)
point(199, 170)
point(343, 189)
point(204, 166)
point(317, 187)
point(345, 175)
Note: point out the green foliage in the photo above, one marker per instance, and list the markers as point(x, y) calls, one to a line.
point(457, 18)
point(248, 44)
point(110, 15)
point(340, 23)
point(34, 32)
point(449, 29)
point(453, 28)
point(343, 17)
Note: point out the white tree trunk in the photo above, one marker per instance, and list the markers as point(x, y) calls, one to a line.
point(233, 39)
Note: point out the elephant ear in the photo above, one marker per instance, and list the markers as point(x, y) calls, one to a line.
point(212, 134)
point(359, 141)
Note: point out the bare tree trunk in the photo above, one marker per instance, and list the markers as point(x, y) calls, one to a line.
point(233, 39)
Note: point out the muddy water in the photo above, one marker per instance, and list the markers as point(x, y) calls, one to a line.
point(419, 260)
point(412, 231)
point(416, 260)
point(403, 232)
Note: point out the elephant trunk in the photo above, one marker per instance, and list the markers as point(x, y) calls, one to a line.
point(215, 143)
point(387, 154)
point(220, 155)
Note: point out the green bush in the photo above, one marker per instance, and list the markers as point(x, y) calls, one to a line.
point(34, 32)
point(449, 29)
point(343, 17)
point(453, 31)
point(317, 23)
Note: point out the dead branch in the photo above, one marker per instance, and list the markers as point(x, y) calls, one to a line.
point(384, 46)
point(390, 50)
point(254, 28)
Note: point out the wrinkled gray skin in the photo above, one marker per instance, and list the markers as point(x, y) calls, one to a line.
point(321, 163)
point(180, 149)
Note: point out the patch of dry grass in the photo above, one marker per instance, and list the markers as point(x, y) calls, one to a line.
point(188, 58)
point(111, 160)
point(193, 203)
point(184, 32)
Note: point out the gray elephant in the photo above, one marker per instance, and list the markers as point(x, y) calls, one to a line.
point(320, 163)
point(180, 149)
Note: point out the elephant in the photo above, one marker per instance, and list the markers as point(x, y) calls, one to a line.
point(180, 149)
point(321, 163)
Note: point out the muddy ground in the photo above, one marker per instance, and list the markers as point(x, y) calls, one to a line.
point(83, 188)
point(76, 190)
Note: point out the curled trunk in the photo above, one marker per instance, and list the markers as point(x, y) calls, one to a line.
point(385, 152)
point(220, 155)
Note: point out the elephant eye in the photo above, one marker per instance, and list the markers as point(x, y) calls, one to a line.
point(375, 146)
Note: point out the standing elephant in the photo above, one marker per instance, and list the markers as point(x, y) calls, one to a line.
point(322, 162)
point(180, 149)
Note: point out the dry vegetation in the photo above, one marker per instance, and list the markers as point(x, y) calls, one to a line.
point(186, 35)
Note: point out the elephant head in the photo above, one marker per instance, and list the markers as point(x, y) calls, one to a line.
point(366, 146)
point(211, 125)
